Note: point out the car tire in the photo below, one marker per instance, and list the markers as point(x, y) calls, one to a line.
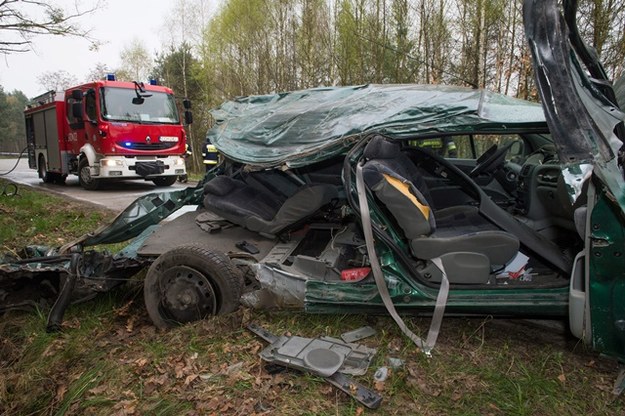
point(165, 180)
point(189, 283)
point(46, 177)
point(84, 176)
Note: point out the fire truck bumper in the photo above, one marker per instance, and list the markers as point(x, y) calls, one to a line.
point(140, 167)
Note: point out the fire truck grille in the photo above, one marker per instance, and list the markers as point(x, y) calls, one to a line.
point(146, 146)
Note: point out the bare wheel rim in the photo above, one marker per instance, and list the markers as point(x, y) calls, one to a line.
point(186, 295)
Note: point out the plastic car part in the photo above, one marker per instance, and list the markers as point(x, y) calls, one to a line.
point(326, 357)
point(306, 353)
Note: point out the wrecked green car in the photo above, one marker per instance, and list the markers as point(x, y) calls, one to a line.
point(391, 199)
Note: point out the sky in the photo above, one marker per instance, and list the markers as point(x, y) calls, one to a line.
point(115, 24)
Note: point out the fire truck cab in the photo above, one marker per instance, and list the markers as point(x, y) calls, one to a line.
point(107, 130)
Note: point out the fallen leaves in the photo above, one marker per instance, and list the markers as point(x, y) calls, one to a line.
point(125, 407)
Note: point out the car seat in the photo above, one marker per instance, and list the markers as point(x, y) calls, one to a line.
point(470, 246)
point(264, 211)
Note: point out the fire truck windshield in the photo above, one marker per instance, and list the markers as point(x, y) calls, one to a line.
point(157, 107)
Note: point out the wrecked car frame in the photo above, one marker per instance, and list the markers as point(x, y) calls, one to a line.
point(329, 197)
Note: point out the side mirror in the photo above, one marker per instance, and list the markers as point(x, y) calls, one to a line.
point(188, 117)
point(77, 95)
point(77, 111)
point(138, 100)
point(186, 103)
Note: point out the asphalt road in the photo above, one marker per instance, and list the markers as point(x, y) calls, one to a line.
point(114, 195)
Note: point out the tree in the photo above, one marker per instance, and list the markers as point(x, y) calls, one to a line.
point(23, 20)
point(176, 70)
point(314, 44)
point(263, 46)
point(403, 66)
point(56, 80)
point(136, 62)
point(99, 71)
point(603, 27)
point(12, 132)
point(347, 50)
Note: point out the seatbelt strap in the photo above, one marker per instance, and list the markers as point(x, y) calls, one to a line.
point(441, 299)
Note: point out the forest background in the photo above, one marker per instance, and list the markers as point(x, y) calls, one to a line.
point(250, 47)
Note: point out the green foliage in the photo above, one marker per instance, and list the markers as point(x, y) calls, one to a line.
point(348, 46)
point(178, 69)
point(12, 131)
point(136, 62)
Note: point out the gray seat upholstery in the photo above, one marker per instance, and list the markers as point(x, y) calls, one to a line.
point(399, 185)
point(264, 212)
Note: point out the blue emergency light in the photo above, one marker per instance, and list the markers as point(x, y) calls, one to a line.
point(153, 81)
point(110, 77)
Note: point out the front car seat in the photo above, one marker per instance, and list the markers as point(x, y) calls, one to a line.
point(471, 247)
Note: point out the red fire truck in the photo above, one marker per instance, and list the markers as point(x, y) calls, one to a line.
point(107, 130)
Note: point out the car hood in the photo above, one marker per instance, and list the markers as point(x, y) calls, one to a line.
point(303, 127)
point(580, 105)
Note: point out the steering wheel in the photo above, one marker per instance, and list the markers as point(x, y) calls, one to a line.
point(490, 159)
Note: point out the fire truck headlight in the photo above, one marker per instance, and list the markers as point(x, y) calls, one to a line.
point(179, 161)
point(111, 162)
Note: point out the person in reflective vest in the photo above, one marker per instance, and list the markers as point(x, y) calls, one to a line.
point(187, 154)
point(210, 155)
point(442, 146)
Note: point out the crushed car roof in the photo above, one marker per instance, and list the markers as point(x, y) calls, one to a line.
point(307, 126)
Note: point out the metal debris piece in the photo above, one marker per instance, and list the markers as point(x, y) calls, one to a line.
point(358, 334)
point(360, 393)
point(619, 384)
point(395, 363)
point(381, 374)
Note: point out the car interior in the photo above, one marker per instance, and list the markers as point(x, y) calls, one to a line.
point(477, 212)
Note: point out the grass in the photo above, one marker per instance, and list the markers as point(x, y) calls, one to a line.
point(110, 359)
point(36, 218)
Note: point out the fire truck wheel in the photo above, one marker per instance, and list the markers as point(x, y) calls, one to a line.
point(165, 180)
point(45, 176)
point(189, 283)
point(84, 176)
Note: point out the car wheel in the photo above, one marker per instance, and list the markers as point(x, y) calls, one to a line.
point(84, 176)
point(165, 180)
point(43, 173)
point(189, 283)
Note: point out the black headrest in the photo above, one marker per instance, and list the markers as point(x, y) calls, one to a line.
point(381, 148)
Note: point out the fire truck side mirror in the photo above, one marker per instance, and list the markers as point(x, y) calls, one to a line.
point(77, 95)
point(188, 117)
point(186, 103)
